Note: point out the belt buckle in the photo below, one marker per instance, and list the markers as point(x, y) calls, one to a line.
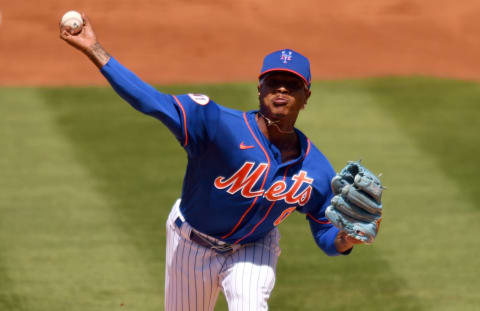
point(219, 246)
point(222, 249)
point(226, 248)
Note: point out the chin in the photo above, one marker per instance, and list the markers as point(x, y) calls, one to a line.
point(274, 112)
point(278, 113)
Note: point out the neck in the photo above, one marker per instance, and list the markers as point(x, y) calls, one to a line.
point(286, 141)
point(274, 132)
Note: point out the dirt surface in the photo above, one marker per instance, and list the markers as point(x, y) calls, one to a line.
point(225, 40)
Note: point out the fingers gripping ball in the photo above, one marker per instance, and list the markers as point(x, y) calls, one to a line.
point(72, 21)
point(356, 207)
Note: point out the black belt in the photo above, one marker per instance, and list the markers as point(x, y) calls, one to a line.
point(203, 241)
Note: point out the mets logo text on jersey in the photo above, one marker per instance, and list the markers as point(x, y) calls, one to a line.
point(244, 180)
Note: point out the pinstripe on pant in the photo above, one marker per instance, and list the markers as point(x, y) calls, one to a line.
point(195, 275)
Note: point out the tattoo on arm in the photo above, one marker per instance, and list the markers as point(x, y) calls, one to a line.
point(98, 55)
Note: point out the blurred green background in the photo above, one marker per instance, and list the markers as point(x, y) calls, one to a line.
point(87, 183)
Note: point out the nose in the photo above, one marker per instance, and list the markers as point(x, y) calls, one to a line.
point(282, 90)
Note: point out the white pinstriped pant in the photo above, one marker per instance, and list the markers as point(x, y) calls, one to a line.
point(194, 274)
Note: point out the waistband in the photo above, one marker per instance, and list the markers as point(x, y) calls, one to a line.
point(203, 239)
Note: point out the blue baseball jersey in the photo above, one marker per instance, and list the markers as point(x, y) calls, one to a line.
point(236, 187)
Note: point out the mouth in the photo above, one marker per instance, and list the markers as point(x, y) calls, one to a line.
point(280, 101)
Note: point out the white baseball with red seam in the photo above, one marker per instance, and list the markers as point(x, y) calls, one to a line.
point(72, 20)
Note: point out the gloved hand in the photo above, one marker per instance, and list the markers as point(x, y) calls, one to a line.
point(356, 207)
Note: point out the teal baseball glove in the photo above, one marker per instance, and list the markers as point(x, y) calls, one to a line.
point(356, 207)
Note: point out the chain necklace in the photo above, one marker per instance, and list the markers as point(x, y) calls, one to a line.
point(275, 123)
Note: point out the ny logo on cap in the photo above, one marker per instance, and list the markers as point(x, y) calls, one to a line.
point(286, 57)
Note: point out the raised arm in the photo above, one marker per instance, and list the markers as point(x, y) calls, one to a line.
point(86, 42)
point(129, 86)
point(184, 115)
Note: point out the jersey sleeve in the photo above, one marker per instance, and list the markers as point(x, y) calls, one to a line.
point(191, 118)
point(322, 229)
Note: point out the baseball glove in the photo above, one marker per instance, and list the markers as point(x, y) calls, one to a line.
point(356, 207)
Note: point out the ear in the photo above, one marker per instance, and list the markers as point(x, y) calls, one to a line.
point(308, 93)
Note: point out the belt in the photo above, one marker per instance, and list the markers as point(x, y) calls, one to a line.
point(219, 247)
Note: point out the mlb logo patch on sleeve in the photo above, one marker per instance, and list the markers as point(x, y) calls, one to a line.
point(199, 98)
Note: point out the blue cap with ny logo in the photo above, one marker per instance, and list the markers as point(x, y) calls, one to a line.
point(289, 61)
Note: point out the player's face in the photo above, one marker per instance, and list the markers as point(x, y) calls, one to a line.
point(282, 94)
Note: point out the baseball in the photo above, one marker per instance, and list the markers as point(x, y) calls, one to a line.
point(72, 20)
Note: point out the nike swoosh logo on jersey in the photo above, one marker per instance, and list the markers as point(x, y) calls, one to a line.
point(243, 146)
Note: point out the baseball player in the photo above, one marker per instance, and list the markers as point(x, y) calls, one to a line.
point(246, 173)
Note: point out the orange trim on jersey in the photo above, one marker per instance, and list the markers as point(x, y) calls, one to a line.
point(184, 120)
point(261, 187)
point(266, 214)
point(326, 222)
point(308, 149)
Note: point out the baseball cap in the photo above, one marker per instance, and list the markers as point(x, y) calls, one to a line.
point(287, 60)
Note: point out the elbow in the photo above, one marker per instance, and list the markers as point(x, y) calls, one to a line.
point(141, 101)
point(143, 104)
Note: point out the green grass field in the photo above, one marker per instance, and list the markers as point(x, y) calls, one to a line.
point(87, 183)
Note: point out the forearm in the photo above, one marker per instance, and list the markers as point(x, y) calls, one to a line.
point(331, 240)
point(342, 242)
point(97, 55)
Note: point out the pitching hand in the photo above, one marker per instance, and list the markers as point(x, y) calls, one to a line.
point(86, 41)
point(82, 41)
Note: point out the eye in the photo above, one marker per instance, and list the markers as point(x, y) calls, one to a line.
point(292, 85)
point(273, 83)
